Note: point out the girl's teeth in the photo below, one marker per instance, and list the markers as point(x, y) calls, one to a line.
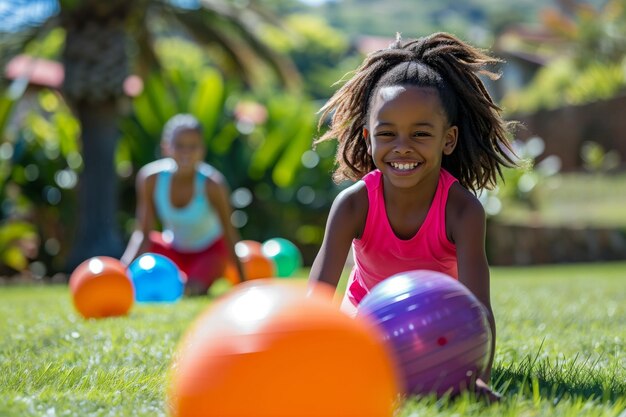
point(403, 167)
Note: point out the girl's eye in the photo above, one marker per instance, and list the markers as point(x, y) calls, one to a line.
point(421, 134)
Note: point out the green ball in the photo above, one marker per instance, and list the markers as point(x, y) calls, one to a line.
point(285, 255)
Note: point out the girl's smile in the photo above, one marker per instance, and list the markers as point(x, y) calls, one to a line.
point(410, 133)
point(404, 167)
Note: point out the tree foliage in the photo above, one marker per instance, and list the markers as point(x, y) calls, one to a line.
point(102, 43)
point(589, 64)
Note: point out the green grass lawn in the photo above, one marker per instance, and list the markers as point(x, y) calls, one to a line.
point(561, 338)
point(576, 199)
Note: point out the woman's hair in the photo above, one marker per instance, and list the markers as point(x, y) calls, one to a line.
point(177, 124)
point(447, 64)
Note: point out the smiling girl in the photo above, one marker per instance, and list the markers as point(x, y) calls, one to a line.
point(420, 134)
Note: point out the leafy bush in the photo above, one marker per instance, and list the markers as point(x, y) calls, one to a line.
point(39, 166)
point(597, 159)
point(561, 83)
point(18, 245)
point(587, 64)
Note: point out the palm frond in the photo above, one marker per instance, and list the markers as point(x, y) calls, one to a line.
point(226, 23)
point(147, 58)
point(205, 35)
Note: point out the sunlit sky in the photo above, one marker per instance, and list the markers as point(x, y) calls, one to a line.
point(315, 2)
point(17, 14)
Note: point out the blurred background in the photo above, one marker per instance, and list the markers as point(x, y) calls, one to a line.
point(86, 86)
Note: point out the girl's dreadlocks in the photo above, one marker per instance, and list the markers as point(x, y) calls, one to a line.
point(440, 61)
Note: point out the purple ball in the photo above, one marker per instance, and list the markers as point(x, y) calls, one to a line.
point(436, 328)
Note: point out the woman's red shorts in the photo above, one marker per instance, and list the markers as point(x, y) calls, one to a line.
point(203, 266)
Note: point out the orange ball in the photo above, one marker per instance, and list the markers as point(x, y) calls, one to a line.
point(101, 288)
point(270, 348)
point(255, 265)
point(248, 246)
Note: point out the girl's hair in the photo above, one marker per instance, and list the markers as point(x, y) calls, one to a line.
point(177, 124)
point(449, 65)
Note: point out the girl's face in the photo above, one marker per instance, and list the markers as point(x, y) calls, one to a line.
point(186, 148)
point(408, 133)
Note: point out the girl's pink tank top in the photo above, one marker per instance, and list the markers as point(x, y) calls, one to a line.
point(379, 253)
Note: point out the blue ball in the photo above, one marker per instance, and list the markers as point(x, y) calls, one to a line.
point(156, 279)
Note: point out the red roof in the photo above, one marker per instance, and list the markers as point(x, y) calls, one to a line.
point(369, 44)
point(39, 71)
point(46, 73)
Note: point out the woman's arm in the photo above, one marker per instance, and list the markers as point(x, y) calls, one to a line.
point(218, 193)
point(145, 216)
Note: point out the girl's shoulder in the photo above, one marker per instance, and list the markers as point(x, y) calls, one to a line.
point(349, 210)
point(460, 199)
point(463, 206)
point(354, 197)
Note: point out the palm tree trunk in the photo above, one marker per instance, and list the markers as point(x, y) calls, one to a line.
point(97, 233)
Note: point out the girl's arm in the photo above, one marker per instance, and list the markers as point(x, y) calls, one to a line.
point(218, 194)
point(346, 221)
point(145, 217)
point(467, 219)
